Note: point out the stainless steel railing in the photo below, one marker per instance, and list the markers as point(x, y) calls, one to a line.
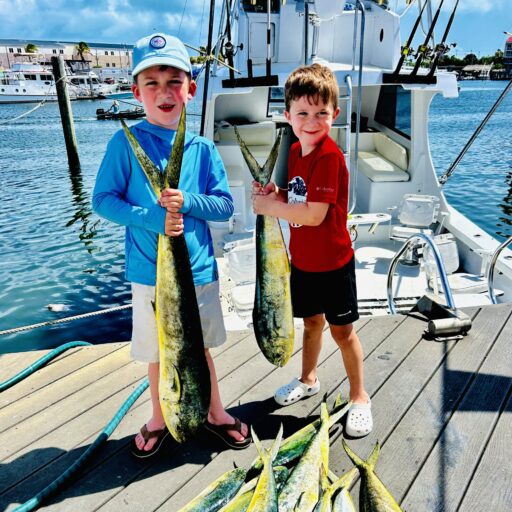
point(439, 263)
point(492, 266)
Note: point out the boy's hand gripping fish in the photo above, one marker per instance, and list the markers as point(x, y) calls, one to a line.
point(184, 385)
point(272, 313)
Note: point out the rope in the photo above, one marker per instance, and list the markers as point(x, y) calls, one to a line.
point(62, 320)
point(36, 501)
point(39, 363)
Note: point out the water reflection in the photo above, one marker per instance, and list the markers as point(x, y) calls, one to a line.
point(83, 209)
point(504, 223)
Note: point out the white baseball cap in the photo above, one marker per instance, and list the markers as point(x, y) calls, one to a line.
point(160, 50)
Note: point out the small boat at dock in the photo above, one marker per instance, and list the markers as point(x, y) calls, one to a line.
point(135, 113)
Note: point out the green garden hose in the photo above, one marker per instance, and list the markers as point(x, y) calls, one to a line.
point(37, 500)
point(39, 363)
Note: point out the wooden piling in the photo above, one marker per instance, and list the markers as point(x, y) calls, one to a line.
point(66, 114)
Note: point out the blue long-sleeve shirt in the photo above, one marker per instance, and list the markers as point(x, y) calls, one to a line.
point(123, 195)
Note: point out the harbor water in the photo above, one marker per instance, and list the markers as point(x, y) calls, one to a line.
point(55, 250)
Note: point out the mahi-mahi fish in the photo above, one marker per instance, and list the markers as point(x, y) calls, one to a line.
point(301, 491)
point(264, 498)
point(373, 495)
point(272, 313)
point(184, 382)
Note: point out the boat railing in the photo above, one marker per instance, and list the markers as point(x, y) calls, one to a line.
point(353, 175)
point(427, 240)
point(492, 266)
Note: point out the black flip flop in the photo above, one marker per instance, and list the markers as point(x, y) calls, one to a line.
point(160, 434)
point(221, 431)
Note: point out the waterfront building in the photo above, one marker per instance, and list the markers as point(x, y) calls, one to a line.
point(507, 57)
point(104, 58)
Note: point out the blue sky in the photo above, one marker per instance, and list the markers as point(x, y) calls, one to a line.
point(478, 27)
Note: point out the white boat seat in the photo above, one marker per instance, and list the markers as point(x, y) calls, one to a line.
point(388, 161)
point(242, 297)
point(416, 214)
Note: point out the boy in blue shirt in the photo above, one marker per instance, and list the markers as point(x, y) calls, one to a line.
point(122, 194)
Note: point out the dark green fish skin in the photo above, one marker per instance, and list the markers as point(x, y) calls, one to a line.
point(217, 494)
point(373, 495)
point(272, 313)
point(184, 384)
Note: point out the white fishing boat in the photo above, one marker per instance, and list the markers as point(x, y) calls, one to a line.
point(28, 82)
point(409, 241)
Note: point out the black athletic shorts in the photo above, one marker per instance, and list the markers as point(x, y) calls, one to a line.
point(333, 293)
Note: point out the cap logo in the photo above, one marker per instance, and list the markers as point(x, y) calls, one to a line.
point(157, 42)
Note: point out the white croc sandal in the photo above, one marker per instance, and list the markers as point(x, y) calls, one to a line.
point(359, 420)
point(294, 391)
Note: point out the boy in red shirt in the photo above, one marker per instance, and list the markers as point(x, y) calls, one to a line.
point(323, 285)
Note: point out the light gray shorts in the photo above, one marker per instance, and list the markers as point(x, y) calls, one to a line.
point(144, 345)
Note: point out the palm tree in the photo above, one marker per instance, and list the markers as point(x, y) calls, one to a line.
point(31, 48)
point(82, 48)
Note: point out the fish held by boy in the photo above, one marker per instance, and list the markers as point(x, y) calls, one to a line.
point(373, 495)
point(184, 384)
point(272, 313)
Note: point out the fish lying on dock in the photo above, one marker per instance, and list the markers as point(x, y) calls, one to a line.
point(294, 446)
point(272, 313)
point(373, 495)
point(217, 494)
point(264, 498)
point(184, 384)
point(303, 485)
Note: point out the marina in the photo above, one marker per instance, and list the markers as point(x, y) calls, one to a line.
point(442, 415)
point(432, 258)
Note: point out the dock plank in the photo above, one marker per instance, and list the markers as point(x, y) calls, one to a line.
point(56, 391)
point(446, 474)
point(492, 481)
point(442, 413)
point(66, 363)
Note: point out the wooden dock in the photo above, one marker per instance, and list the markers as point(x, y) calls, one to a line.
point(442, 413)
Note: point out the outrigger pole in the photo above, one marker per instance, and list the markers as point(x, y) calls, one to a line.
point(423, 49)
point(442, 47)
point(444, 178)
point(207, 69)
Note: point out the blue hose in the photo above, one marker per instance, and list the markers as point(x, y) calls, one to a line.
point(39, 363)
point(36, 501)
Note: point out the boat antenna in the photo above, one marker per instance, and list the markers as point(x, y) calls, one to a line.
point(444, 178)
point(208, 62)
point(442, 48)
point(423, 50)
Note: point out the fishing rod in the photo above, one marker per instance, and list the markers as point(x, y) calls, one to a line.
point(444, 178)
point(423, 49)
point(407, 47)
point(442, 48)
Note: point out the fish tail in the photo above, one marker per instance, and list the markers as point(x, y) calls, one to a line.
point(360, 463)
point(372, 459)
point(251, 162)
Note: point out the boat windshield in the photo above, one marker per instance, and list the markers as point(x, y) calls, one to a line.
point(394, 109)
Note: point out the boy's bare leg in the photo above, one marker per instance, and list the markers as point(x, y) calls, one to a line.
point(347, 340)
point(217, 415)
point(311, 346)
point(157, 420)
